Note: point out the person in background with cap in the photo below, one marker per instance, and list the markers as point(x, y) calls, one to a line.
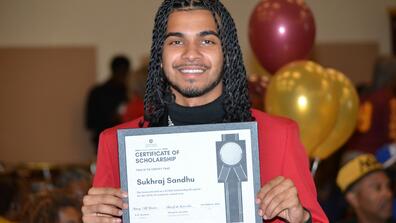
point(366, 188)
point(387, 156)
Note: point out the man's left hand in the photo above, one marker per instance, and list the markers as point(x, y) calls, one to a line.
point(279, 198)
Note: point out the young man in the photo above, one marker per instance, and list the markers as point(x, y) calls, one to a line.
point(366, 188)
point(197, 76)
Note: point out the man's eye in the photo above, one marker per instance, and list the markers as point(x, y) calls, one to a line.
point(208, 42)
point(175, 42)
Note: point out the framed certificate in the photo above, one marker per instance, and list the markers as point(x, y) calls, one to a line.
point(190, 174)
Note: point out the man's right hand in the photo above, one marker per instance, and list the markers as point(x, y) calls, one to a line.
point(103, 205)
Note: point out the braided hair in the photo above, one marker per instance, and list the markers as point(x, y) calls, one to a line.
point(158, 92)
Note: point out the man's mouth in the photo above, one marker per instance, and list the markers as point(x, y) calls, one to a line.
point(386, 205)
point(192, 69)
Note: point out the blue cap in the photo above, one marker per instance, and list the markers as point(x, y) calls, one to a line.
point(386, 155)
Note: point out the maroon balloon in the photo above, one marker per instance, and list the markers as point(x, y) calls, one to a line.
point(281, 31)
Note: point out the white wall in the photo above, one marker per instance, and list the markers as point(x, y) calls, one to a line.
point(353, 20)
point(124, 26)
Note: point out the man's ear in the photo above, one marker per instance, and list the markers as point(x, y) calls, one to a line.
point(352, 199)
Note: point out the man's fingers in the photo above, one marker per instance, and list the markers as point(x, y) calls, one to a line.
point(282, 202)
point(101, 210)
point(276, 196)
point(268, 186)
point(108, 191)
point(100, 219)
point(103, 205)
point(91, 200)
point(284, 185)
point(278, 190)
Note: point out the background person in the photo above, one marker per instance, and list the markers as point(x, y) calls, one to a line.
point(106, 102)
point(366, 188)
point(52, 207)
point(387, 156)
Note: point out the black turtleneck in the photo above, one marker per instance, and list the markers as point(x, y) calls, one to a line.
point(204, 114)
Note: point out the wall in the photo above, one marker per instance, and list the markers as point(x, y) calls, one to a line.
point(42, 104)
point(124, 26)
point(353, 20)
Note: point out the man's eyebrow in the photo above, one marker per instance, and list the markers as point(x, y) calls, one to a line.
point(208, 32)
point(203, 33)
point(177, 34)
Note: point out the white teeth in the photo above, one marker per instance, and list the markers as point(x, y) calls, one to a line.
point(192, 71)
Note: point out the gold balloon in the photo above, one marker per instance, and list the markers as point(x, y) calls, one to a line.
point(302, 92)
point(346, 118)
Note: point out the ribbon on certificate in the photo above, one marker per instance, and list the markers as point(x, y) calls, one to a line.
point(231, 170)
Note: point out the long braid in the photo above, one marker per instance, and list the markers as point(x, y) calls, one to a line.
point(157, 86)
point(236, 103)
point(158, 93)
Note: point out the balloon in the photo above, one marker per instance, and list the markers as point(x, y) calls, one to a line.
point(281, 31)
point(346, 118)
point(302, 92)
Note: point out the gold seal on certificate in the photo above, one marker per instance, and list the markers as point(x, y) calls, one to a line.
point(196, 173)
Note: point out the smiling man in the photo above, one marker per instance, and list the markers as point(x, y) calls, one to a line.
point(197, 76)
point(193, 58)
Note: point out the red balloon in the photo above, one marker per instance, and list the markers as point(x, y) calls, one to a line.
point(281, 31)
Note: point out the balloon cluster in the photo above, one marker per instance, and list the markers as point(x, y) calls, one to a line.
point(322, 101)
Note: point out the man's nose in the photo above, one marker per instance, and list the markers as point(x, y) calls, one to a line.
point(192, 52)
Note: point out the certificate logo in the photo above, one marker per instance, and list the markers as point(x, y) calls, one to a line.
point(150, 143)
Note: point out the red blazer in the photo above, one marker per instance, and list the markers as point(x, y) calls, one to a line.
point(281, 154)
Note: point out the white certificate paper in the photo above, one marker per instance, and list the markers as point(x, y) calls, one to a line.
point(190, 174)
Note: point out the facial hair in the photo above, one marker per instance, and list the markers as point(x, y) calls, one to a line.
point(191, 92)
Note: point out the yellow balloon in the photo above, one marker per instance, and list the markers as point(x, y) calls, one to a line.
point(301, 91)
point(346, 118)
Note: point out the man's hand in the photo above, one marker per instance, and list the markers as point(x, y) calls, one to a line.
point(279, 198)
point(103, 205)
